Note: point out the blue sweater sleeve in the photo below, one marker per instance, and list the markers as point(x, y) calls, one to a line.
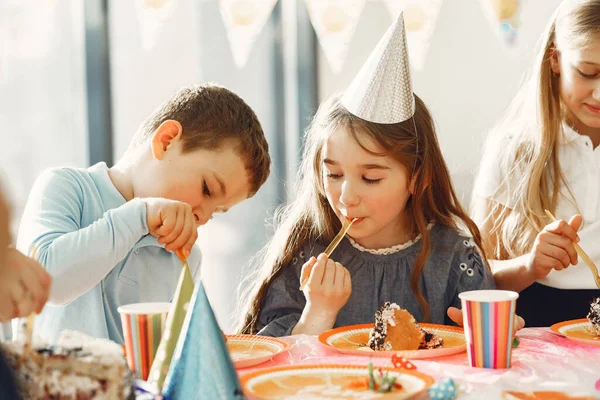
point(78, 257)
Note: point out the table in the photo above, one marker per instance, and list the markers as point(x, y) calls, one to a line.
point(544, 361)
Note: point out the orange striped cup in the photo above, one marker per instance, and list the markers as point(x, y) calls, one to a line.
point(488, 317)
point(143, 325)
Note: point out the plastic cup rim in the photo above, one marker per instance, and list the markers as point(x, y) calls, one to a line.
point(149, 308)
point(488, 296)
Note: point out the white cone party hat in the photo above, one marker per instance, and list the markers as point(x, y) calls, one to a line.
point(382, 91)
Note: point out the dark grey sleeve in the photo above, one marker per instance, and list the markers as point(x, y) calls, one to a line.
point(467, 272)
point(284, 302)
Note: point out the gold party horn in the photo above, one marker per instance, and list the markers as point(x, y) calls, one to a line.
point(334, 243)
point(168, 341)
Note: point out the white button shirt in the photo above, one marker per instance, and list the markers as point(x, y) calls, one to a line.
point(580, 164)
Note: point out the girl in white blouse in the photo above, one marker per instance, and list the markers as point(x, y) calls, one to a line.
point(542, 155)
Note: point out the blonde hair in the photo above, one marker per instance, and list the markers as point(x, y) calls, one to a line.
point(310, 218)
point(529, 132)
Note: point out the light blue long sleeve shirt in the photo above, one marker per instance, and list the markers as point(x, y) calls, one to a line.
point(97, 248)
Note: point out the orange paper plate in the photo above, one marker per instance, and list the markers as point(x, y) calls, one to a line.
point(327, 382)
point(249, 350)
point(578, 330)
point(348, 340)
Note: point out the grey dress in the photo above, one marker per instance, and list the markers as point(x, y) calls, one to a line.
point(454, 266)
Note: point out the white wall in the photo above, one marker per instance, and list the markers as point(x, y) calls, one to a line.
point(43, 120)
point(468, 78)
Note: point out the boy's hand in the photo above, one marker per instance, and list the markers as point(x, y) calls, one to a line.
point(328, 287)
point(553, 247)
point(172, 222)
point(24, 286)
point(456, 315)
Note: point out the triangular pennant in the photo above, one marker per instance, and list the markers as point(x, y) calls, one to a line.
point(173, 326)
point(505, 18)
point(382, 91)
point(244, 20)
point(420, 17)
point(29, 28)
point(201, 367)
point(334, 22)
point(152, 15)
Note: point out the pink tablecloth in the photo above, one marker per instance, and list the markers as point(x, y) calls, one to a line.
point(543, 361)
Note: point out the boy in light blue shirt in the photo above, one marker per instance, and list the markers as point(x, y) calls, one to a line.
point(108, 235)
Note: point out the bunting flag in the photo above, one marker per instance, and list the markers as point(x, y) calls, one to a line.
point(27, 32)
point(152, 15)
point(420, 17)
point(244, 20)
point(505, 19)
point(28, 28)
point(334, 22)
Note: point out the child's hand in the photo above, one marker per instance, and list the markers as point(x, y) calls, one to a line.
point(24, 286)
point(553, 247)
point(456, 315)
point(173, 223)
point(328, 287)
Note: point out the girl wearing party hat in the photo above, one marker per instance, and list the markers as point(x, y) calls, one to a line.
point(543, 155)
point(372, 155)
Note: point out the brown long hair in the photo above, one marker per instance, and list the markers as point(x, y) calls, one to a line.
point(309, 217)
point(529, 132)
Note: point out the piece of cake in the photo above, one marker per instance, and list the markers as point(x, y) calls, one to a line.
point(432, 341)
point(78, 367)
point(594, 315)
point(396, 329)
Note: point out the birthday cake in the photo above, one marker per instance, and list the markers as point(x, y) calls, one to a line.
point(594, 316)
point(78, 367)
point(396, 329)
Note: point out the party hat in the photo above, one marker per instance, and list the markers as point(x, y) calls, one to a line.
point(175, 319)
point(382, 90)
point(201, 367)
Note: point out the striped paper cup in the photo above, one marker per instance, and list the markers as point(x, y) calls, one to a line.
point(488, 317)
point(143, 325)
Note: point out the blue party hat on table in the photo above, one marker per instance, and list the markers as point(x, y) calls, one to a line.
point(201, 367)
point(443, 390)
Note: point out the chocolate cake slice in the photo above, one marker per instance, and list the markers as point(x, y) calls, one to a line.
point(396, 329)
point(594, 315)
